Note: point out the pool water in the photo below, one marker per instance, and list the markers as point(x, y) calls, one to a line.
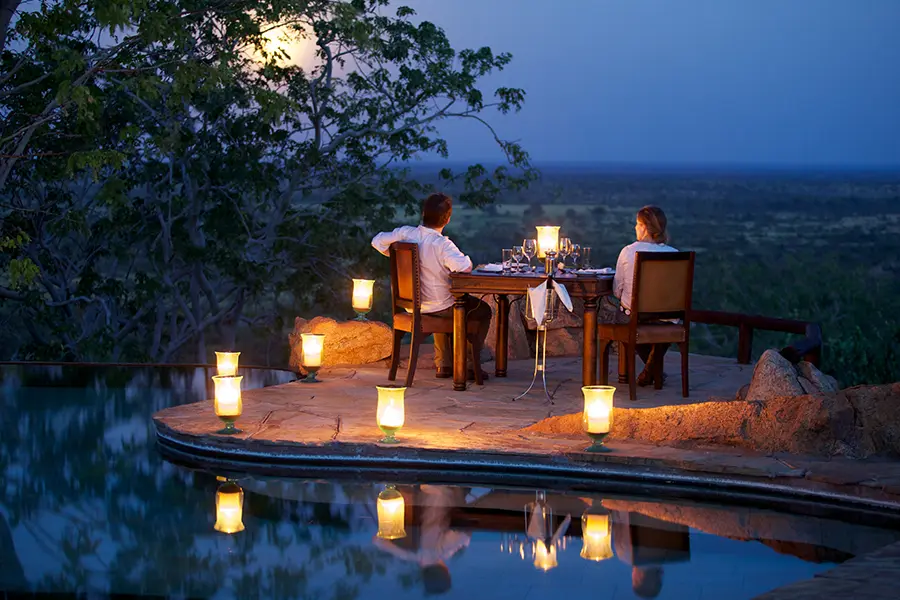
point(88, 505)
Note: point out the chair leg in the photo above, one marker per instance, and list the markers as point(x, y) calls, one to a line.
point(632, 383)
point(476, 360)
point(603, 354)
point(623, 362)
point(395, 355)
point(413, 357)
point(685, 387)
point(657, 373)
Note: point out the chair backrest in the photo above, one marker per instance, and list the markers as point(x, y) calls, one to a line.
point(663, 284)
point(405, 295)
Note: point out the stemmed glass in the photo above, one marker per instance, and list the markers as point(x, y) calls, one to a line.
point(565, 248)
point(586, 257)
point(530, 249)
point(518, 255)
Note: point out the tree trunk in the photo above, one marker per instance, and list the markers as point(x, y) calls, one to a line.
point(7, 9)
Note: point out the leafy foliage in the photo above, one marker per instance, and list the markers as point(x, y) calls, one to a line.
point(177, 175)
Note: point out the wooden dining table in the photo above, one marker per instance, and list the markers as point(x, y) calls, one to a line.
point(589, 287)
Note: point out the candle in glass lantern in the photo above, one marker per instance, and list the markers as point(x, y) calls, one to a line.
point(227, 363)
point(228, 396)
point(229, 508)
point(391, 510)
point(390, 413)
point(595, 535)
point(548, 239)
point(597, 415)
point(362, 297)
point(227, 402)
point(544, 555)
point(313, 344)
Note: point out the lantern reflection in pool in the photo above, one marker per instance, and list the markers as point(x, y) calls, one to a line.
point(229, 508)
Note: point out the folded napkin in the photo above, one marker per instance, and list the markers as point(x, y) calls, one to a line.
point(603, 271)
point(538, 298)
point(491, 268)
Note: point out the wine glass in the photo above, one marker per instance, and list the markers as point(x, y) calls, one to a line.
point(530, 248)
point(518, 255)
point(506, 263)
point(576, 255)
point(565, 247)
point(586, 257)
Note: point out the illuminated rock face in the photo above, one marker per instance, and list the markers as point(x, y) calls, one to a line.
point(347, 343)
point(856, 422)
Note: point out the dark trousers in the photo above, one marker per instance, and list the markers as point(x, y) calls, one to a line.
point(443, 349)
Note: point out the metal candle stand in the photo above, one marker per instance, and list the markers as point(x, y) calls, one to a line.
point(540, 343)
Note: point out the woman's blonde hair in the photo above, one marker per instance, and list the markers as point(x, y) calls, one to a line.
point(654, 220)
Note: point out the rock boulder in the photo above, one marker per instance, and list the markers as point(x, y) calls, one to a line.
point(347, 343)
point(773, 376)
point(518, 338)
point(856, 422)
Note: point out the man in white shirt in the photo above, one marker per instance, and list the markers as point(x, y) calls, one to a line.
point(433, 542)
point(438, 257)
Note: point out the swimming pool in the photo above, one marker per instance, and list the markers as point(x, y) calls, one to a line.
point(87, 504)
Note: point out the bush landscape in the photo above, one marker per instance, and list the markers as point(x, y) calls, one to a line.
point(173, 182)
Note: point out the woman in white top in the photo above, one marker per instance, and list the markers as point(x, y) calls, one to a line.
point(650, 231)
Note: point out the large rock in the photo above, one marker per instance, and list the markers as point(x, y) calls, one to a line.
point(517, 344)
point(564, 342)
point(820, 382)
point(347, 343)
point(857, 422)
point(773, 376)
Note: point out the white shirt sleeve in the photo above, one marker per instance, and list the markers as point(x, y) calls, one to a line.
point(624, 270)
point(453, 258)
point(383, 240)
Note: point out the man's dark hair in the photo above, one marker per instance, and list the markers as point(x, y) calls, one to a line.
point(436, 579)
point(436, 210)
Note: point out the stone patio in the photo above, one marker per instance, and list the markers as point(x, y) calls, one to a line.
point(333, 422)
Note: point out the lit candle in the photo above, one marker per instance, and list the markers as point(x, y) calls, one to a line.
point(362, 294)
point(391, 514)
point(229, 508)
point(595, 534)
point(390, 413)
point(228, 396)
point(544, 555)
point(598, 406)
point(313, 344)
point(227, 363)
point(392, 416)
point(548, 239)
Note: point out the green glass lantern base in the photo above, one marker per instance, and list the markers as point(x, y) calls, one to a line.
point(229, 428)
point(311, 377)
point(361, 316)
point(597, 443)
point(388, 435)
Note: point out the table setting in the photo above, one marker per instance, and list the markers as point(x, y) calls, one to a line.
point(518, 274)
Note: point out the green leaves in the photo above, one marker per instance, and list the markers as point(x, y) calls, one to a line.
point(186, 185)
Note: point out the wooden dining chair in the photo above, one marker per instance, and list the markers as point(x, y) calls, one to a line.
point(406, 308)
point(662, 289)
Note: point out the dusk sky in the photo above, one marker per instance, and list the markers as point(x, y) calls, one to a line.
point(727, 82)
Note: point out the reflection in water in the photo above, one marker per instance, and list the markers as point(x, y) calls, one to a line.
point(87, 504)
point(391, 514)
point(229, 508)
point(596, 535)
